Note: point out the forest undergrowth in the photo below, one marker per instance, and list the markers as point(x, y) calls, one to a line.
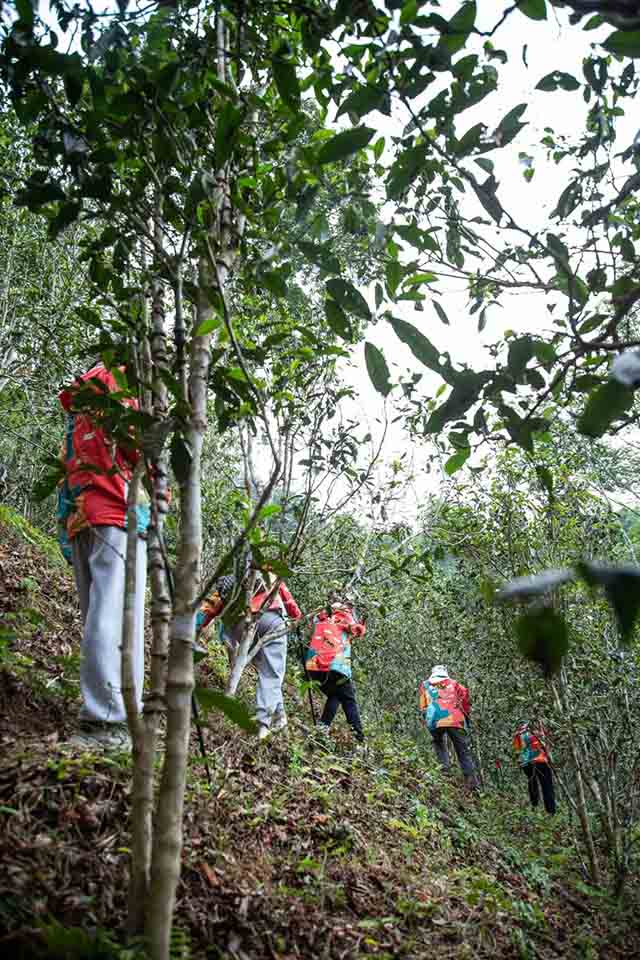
point(295, 848)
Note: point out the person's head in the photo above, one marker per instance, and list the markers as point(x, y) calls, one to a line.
point(439, 673)
point(522, 724)
point(340, 600)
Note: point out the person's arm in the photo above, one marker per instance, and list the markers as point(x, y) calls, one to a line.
point(209, 609)
point(423, 697)
point(465, 701)
point(290, 605)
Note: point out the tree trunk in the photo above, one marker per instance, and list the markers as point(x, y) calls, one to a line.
point(167, 847)
point(140, 834)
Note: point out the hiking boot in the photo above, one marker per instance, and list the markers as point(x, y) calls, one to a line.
point(102, 737)
point(322, 729)
point(263, 732)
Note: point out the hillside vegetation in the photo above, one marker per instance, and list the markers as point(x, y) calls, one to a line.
point(295, 849)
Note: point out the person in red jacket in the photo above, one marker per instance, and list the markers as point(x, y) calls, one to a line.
point(270, 605)
point(92, 518)
point(328, 662)
point(531, 746)
point(446, 710)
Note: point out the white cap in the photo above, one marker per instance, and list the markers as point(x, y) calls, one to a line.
point(439, 672)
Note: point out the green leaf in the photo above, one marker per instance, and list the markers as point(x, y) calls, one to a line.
point(558, 79)
point(180, 458)
point(624, 43)
point(269, 511)
point(320, 254)
point(278, 567)
point(467, 385)
point(534, 9)
point(67, 213)
point(486, 194)
point(622, 587)
point(337, 319)
point(543, 638)
point(227, 127)
point(363, 100)
point(457, 30)
point(422, 349)
point(519, 429)
point(521, 351)
point(546, 478)
point(345, 144)
point(456, 461)
point(25, 11)
point(377, 368)
point(208, 325)
point(350, 299)
point(441, 313)
point(284, 75)
point(485, 164)
point(510, 126)
point(409, 11)
point(274, 282)
point(234, 709)
point(606, 404)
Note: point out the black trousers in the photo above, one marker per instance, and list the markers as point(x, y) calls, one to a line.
point(339, 692)
point(539, 776)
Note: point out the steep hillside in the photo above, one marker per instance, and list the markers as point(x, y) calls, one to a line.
point(293, 851)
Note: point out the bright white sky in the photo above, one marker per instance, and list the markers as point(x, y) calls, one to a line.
point(551, 45)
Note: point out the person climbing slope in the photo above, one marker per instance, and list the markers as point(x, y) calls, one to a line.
point(269, 606)
point(446, 711)
point(92, 509)
point(328, 662)
point(531, 748)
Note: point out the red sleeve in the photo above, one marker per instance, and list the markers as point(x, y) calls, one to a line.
point(290, 605)
point(210, 608)
point(465, 702)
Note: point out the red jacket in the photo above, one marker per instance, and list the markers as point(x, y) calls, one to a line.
point(214, 604)
point(444, 703)
point(330, 645)
point(282, 599)
point(98, 471)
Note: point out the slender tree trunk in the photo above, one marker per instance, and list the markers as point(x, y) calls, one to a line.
point(140, 838)
point(167, 848)
point(154, 362)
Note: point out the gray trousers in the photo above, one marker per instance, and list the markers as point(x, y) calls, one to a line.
point(99, 566)
point(460, 740)
point(271, 664)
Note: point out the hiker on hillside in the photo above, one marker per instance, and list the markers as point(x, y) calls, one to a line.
point(269, 604)
point(446, 709)
point(328, 662)
point(92, 510)
point(530, 745)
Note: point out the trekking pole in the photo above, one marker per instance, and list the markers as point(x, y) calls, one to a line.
point(198, 654)
point(474, 752)
point(203, 749)
point(306, 673)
